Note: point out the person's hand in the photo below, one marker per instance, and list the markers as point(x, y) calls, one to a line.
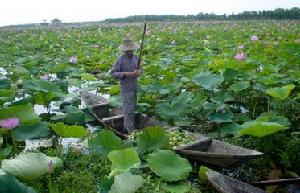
point(130, 74)
point(135, 73)
point(125, 73)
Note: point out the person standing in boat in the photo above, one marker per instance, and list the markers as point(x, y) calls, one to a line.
point(127, 69)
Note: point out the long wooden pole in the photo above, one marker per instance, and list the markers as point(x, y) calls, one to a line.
point(142, 45)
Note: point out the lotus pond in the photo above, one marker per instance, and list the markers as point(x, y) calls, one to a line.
point(234, 81)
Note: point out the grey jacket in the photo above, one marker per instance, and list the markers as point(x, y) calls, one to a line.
point(126, 64)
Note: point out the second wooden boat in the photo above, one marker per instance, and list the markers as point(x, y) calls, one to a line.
point(215, 152)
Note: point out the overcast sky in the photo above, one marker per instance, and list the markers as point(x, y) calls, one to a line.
point(34, 11)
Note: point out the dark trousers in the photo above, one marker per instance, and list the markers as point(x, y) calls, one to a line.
point(129, 105)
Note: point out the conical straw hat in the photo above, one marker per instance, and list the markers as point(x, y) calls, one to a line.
point(128, 44)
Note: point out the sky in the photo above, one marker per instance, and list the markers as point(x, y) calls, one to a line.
point(35, 11)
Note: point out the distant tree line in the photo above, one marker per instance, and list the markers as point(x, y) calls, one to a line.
point(277, 14)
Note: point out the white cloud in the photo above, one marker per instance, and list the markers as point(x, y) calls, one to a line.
point(28, 11)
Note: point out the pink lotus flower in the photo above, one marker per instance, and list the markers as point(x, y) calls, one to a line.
point(73, 60)
point(9, 123)
point(254, 38)
point(50, 167)
point(45, 77)
point(241, 47)
point(240, 56)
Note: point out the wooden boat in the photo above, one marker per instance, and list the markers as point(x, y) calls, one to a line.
point(113, 118)
point(204, 150)
point(226, 184)
point(215, 152)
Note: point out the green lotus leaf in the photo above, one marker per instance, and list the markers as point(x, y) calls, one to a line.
point(198, 100)
point(69, 131)
point(57, 68)
point(6, 95)
point(43, 86)
point(223, 97)
point(9, 184)
point(74, 116)
point(179, 107)
point(105, 184)
point(230, 74)
point(30, 165)
point(22, 60)
point(177, 188)
point(164, 91)
point(152, 69)
point(25, 113)
point(75, 119)
point(71, 109)
point(260, 87)
point(153, 138)
point(123, 160)
point(169, 112)
point(5, 152)
point(114, 90)
point(210, 107)
point(105, 142)
point(31, 131)
point(231, 128)
point(281, 92)
point(20, 71)
point(168, 165)
point(220, 117)
point(43, 98)
point(168, 77)
point(223, 64)
point(5, 83)
point(260, 129)
point(239, 86)
point(126, 183)
point(115, 101)
point(88, 77)
point(208, 80)
point(154, 87)
point(267, 80)
point(184, 122)
point(297, 97)
point(273, 117)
